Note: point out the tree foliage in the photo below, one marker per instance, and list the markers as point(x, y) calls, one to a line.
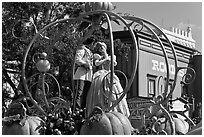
point(22, 20)
point(18, 31)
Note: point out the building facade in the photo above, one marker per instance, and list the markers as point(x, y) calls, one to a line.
point(151, 70)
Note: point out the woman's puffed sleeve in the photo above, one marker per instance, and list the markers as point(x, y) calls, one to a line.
point(97, 59)
point(96, 56)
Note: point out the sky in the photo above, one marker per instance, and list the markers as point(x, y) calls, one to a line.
point(168, 14)
point(164, 14)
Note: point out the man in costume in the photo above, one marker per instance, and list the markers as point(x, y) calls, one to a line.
point(83, 72)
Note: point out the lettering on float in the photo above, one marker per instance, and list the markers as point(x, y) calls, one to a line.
point(161, 67)
point(135, 104)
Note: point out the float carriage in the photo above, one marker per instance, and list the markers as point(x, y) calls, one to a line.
point(50, 107)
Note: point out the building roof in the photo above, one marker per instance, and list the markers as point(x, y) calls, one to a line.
point(126, 37)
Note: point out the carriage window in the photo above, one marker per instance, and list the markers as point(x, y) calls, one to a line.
point(151, 87)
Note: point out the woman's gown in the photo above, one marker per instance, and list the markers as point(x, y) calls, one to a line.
point(99, 93)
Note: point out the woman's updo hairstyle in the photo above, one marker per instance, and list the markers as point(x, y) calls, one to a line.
point(98, 45)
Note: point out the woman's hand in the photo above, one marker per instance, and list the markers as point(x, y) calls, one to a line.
point(114, 60)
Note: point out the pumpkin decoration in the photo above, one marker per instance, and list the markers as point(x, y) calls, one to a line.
point(111, 123)
point(16, 122)
point(43, 65)
point(180, 125)
point(29, 126)
point(197, 130)
point(92, 6)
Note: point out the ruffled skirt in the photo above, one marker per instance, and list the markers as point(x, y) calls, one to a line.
point(100, 95)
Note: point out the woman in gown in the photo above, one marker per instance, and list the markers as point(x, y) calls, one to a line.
point(99, 93)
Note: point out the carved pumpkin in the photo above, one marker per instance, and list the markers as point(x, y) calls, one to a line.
point(92, 6)
point(43, 65)
point(111, 123)
point(28, 127)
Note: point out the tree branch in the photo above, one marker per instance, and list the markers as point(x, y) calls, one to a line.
point(8, 79)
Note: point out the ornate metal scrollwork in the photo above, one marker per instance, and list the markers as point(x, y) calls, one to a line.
point(162, 100)
point(135, 22)
point(42, 102)
point(188, 78)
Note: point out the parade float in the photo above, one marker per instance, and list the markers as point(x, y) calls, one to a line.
point(57, 116)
